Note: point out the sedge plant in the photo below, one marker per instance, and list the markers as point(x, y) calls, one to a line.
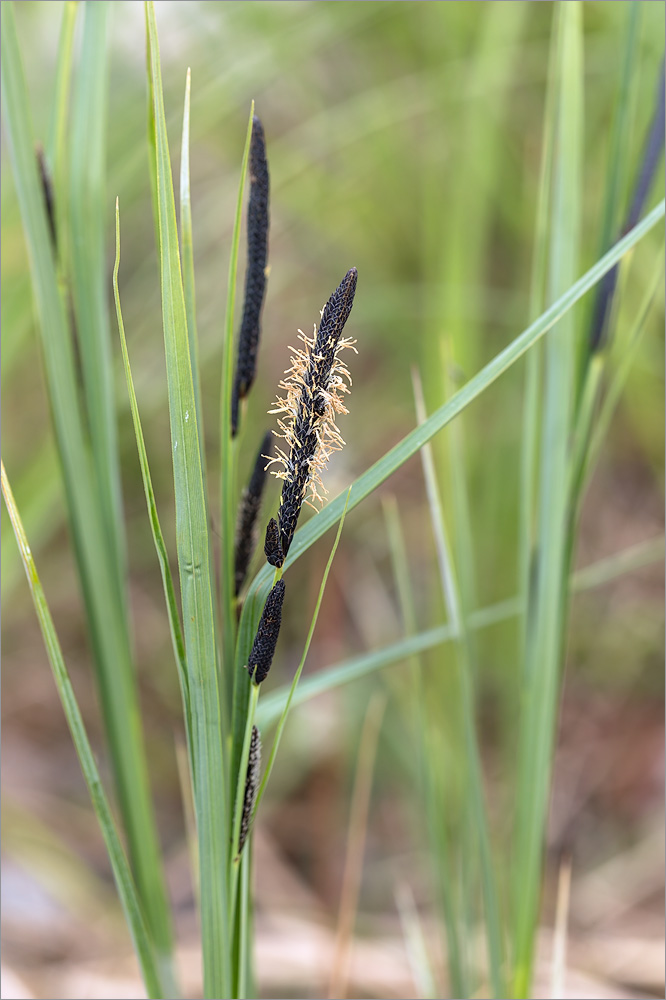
point(225, 637)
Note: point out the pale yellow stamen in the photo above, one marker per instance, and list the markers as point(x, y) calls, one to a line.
point(329, 439)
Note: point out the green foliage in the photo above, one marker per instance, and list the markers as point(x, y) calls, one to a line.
point(422, 170)
point(143, 945)
point(97, 558)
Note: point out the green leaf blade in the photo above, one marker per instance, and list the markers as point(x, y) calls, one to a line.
point(87, 217)
point(169, 590)
point(187, 253)
point(544, 645)
point(194, 567)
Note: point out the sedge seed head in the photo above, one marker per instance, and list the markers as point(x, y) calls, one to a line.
point(312, 395)
point(251, 786)
point(265, 640)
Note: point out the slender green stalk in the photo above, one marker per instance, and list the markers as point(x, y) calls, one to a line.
point(245, 926)
point(57, 130)
point(415, 942)
point(401, 575)
point(462, 556)
point(629, 560)
point(440, 846)
point(463, 659)
point(463, 544)
point(42, 513)
point(194, 568)
point(163, 558)
point(57, 137)
point(356, 838)
point(540, 695)
point(184, 768)
point(531, 423)
point(143, 945)
point(99, 581)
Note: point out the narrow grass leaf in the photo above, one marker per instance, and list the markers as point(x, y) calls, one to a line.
point(403, 584)
point(152, 141)
point(415, 942)
point(42, 512)
point(629, 560)
point(440, 847)
point(477, 818)
point(87, 205)
point(55, 144)
point(184, 768)
point(245, 930)
point(121, 871)
point(162, 556)
point(531, 421)
point(187, 254)
point(544, 649)
point(559, 967)
point(193, 562)
point(356, 838)
point(57, 135)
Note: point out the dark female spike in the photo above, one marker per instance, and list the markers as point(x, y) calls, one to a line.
point(333, 318)
point(263, 647)
point(654, 147)
point(272, 547)
point(255, 278)
point(47, 191)
point(251, 786)
point(314, 385)
point(248, 512)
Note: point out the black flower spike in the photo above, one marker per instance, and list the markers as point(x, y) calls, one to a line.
point(333, 318)
point(255, 278)
point(314, 386)
point(654, 147)
point(272, 547)
point(248, 511)
point(263, 647)
point(47, 190)
point(251, 786)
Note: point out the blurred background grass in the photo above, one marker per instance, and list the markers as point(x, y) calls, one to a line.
point(403, 139)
